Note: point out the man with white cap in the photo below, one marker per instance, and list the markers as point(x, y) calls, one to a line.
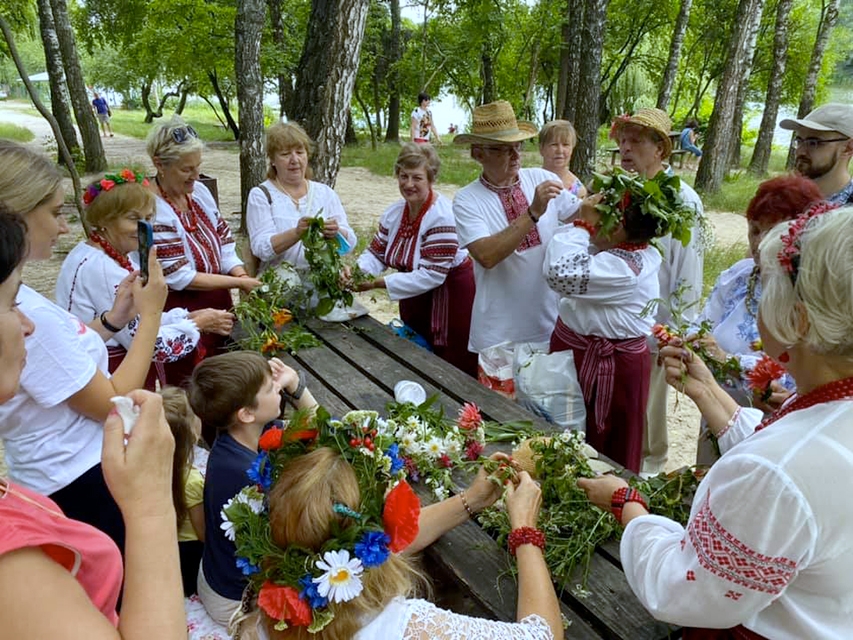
point(505, 219)
point(824, 142)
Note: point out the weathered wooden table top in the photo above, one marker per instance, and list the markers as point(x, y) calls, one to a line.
point(357, 368)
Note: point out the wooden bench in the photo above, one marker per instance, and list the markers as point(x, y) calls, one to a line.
point(357, 368)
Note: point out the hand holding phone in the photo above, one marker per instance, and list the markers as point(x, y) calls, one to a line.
point(145, 233)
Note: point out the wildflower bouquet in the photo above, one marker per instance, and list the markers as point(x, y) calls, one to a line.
point(659, 197)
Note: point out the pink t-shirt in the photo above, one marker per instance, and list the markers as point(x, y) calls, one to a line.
point(88, 554)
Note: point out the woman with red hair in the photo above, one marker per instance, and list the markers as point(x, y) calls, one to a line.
point(732, 306)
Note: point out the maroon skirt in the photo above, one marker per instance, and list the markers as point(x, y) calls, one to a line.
point(443, 317)
point(736, 633)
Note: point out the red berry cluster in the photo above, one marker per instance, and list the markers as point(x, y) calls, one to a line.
point(366, 440)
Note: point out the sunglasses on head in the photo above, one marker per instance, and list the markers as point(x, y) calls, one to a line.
point(182, 134)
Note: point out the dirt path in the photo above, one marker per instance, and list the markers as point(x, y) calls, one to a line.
point(364, 196)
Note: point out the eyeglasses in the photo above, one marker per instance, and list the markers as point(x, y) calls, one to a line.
point(182, 134)
point(505, 149)
point(813, 143)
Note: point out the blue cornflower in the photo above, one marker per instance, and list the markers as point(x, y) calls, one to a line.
point(261, 471)
point(247, 567)
point(372, 549)
point(310, 592)
point(393, 452)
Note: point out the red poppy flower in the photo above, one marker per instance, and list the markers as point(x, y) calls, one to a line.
point(284, 603)
point(762, 374)
point(271, 439)
point(400, 517)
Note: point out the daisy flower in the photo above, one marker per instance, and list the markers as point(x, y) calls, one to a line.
point(341, 580)
point(227, 526)
point(410, 443)
point(251, 498)
point(434, 447)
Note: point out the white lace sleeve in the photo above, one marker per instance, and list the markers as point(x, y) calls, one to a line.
point(428, 621)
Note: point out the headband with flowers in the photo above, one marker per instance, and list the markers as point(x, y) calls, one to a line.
point(295, 585)
point(111, 180)
point(789, 255)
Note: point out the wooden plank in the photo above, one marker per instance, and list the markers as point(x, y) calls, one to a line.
point(322, 394)
point(474, 560)
point(437, 372)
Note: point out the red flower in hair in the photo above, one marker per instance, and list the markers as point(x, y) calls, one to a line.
point(106, 185)
point(400, 517)
point(271, 439)
point(128, 175)
point(789, 255)
point(301, 434)
point(284, 603)
point(762, 375)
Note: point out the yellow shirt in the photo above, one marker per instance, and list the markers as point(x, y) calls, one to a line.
point(194, 496)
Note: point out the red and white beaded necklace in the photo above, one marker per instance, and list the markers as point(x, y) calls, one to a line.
point(111, 251)
point(835, 390)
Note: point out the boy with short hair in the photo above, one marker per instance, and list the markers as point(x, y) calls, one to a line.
point(237, 394)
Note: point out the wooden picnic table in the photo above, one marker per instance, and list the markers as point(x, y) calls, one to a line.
point(356, 368)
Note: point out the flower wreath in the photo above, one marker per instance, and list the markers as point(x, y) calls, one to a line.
point(111, 180)
point(296, 585)
point(789, 254)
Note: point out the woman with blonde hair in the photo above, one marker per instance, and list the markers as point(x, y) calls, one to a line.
point(331, 557)
point(279, 209)
point(768, 551)
point(93, 270)
point(53, 427)
point(557, 140)
point(417, 237)
point(194, 242)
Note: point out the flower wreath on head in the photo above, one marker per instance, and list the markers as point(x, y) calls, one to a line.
point(296, 585)
point(789, 254)
point(111, 180)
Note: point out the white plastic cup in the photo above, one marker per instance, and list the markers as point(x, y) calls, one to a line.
point(409, 391)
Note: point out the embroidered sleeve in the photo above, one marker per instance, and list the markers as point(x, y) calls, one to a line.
point(372, 260)
point(178, 270)
point(177, 337)
point(428, 621)
point(751, 531)
point(438, 249)
point(741, 426)
point(571, 270)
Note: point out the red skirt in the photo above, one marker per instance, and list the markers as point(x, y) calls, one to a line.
point(614, 378)
point(155, 371)
point(443, 317)
point(736, 633)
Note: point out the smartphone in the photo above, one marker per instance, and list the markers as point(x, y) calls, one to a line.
point(145, 233)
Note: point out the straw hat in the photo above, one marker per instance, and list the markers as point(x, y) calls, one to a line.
point(653, 119)
point(495, 122)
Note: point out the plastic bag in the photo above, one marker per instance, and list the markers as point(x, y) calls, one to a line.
point(494, 369)
point(547, 384)
point(406, 332)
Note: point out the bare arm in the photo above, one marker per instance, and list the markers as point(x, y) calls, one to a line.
point(196, 514)
point(212, 281)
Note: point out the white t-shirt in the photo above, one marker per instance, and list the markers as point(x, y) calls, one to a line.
point(263, 220)
point(87, 285)
point(513, 302)
point(604, 293)
point(431, 254)
point(423, 123)
point(48, 444)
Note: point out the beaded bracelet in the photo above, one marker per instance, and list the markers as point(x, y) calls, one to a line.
point(621, 497)
point(107, 325)
point(525, 535)
point(465, 504)
point(583, 224)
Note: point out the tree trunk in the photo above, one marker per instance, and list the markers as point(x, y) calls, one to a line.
point(248, 25)
point(350, 138)
point(278, 40)
point(367, 117)
point(712, 167)
point(327, 71)
point(59, 99)
point(736, 140)
point(92, 148)
point(570, 57)
point(487, 74)
point(223, 103)
point(182, 103)
point(392, 133)
point(47, 115)
point(531, 79)
point(671, 69)
point(828, 18)
point(761, 153)
point(145, 97)
point(589, 77)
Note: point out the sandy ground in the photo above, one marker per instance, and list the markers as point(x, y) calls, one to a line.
point(364, 196)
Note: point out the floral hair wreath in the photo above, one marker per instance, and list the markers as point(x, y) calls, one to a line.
point(296, 585)
point(111, 180)
point(789, 254)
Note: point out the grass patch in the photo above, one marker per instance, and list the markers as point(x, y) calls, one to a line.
point(131, 123)
point(717, 260)
point(14, 132)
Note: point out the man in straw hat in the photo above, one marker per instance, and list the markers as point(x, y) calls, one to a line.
point(824, 141)
point(644, 145)
point(505, 218)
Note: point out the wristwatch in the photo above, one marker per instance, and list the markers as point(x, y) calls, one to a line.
point(621, 497)
point(300, 388)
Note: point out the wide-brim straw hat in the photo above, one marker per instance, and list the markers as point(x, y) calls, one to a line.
point(496, 122)
point(653, 119)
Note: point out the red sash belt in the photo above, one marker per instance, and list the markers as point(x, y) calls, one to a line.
point(440, 316)
point(597, 366)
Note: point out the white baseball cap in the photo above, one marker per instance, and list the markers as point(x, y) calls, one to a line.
point(829, 117)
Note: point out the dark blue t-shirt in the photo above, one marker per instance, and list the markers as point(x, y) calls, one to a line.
point(100, 105)
point(226, 476)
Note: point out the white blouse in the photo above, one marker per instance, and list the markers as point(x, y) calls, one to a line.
point(264, 220)
point(87, 285)
point(423, 260)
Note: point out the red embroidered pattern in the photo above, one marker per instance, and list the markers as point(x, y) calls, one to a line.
point(515, 205)
point(719, 552)
point(691, 576)
point(734, 595)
